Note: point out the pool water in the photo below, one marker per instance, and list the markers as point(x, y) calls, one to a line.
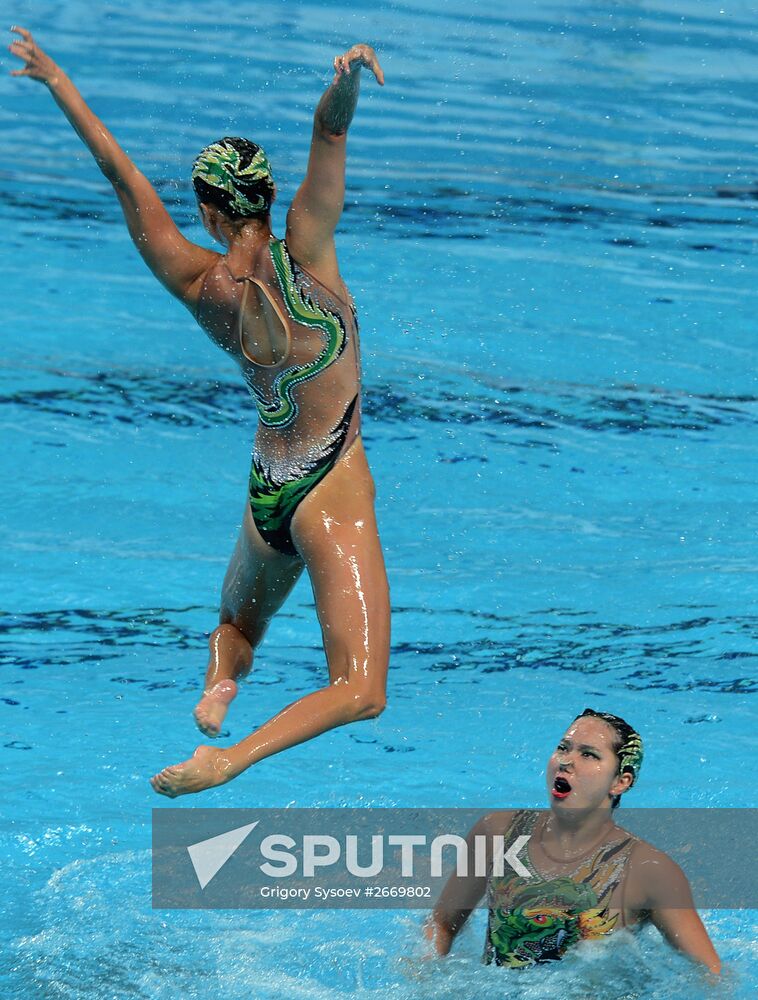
point(550, 233)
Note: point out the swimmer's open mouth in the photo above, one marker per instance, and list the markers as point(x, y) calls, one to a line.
point(561, 787)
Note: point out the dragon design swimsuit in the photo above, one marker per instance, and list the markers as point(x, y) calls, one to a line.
point(538, 919)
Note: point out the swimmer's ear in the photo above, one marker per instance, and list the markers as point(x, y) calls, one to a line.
point(209, 215)
point(622, 784)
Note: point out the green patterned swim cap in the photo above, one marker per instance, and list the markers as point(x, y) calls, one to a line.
point(234, 175)
point(628, 742)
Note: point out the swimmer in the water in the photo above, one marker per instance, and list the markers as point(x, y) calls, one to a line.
point(587, 876)
point(281, 309)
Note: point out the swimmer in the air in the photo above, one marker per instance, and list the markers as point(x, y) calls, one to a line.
point(282, 311)
point(587, 876)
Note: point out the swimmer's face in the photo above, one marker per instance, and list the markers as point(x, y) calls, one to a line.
point(582, 772)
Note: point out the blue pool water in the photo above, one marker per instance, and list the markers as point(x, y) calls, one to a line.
point(550, 234)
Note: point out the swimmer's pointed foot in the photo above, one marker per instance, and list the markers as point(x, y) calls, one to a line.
point(211, 710)
point(206, 768)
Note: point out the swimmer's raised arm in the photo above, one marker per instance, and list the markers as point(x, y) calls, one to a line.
point(317, 206)
point(174, 260)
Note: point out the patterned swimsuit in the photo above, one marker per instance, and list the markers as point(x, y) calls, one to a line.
point(537, 919)
point(308, 402)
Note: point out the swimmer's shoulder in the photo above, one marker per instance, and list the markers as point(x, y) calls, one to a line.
point(212, 300)
point(500, 822)
point(321, 265)
point(654, 880)
point(193, 295)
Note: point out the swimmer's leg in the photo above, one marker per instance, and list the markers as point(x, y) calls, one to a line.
point(335, 532)
point(257, 582)
point(231, 657)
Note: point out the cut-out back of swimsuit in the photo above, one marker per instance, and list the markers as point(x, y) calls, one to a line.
point(264, 334)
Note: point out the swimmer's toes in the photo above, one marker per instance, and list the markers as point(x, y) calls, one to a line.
point(157, 785)
point(206, 727)
point(211, 710)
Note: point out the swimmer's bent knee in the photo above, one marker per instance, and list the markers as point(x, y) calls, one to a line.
point(252, 629)
point(366, 705)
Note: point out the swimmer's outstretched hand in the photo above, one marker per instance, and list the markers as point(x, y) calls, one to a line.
point(359, 55)
point(37, 64)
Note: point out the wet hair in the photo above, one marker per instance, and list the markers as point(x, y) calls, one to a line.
point(627, 745)
point(234, 175)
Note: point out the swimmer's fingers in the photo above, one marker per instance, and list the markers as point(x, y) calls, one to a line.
point(359, 55)
point(26, 71)
point(371, 62)
point(22, 47)
point(378, 73)
point(364, 55)
point(39, 65)
point(23, 51)
point(342, 64)
point(26, 35)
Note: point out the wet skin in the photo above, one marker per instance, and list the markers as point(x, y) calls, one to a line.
point(334, 529)
point(335, 533)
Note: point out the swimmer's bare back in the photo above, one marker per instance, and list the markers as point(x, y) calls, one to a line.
point(281, 309)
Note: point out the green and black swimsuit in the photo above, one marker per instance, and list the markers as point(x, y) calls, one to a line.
point(308, 401)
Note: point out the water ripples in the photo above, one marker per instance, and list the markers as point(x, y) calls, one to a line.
point(706, 653)
point(184, 401)
point(720, 220)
